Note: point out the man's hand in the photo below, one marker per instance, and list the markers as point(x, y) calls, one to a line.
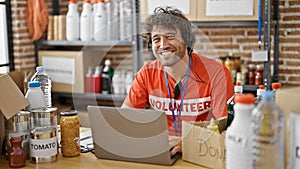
point(175, 144)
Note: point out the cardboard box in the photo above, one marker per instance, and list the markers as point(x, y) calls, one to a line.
point(67, 69)
point(204, 147)
point(287, 99)
point(12, 99)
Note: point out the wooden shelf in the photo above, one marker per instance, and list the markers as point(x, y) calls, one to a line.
point(97, 96)
point(87, 43)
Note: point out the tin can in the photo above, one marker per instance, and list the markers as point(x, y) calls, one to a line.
point(19, 126)
point(43, 144)
point(44, 116)
point(19, 122)
point(69, 127)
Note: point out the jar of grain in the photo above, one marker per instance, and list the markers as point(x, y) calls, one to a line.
point(69, 127)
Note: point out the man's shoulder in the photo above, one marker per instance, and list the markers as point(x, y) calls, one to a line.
point(152, 64)
point(206, 60)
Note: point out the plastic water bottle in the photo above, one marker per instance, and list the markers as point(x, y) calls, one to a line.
point(72, 21)
point(45, 83)
point(268, 134)
point(100, 21)
point(112, 20)
point(237, 140)
point(118, 82)
point(125, 19)
point(35, 96)
point(86, 18)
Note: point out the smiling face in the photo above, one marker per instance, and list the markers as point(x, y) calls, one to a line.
point(168, 45)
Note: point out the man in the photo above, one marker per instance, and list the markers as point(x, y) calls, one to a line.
point(186, 86)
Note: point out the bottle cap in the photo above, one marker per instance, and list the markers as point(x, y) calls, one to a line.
point(107, 62)
point(69, 113)
point(276, 85)
point(72, 1)
point(268, 95)
point(40, 69)
point(87, 1)
point(244, 98)
point(34, 84)
point(260, 90)
point(238, 88)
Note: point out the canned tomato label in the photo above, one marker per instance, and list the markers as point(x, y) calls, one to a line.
point(44, 116)
point(43, 144)
point(19, 122)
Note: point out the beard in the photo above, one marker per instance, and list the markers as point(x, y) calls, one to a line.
point(171, 55)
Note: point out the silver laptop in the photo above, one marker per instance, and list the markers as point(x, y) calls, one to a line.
point(137, 135)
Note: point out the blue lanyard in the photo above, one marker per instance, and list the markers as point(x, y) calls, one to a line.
point(259, 23)
point(182, 96)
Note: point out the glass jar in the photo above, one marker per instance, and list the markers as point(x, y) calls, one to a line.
point(259, 74)
point(251, 74)
point(69, 127)
point(16, 153)
point(230, 64)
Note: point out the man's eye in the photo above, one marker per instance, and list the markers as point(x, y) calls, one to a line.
point(155, 40)
point(170, 37)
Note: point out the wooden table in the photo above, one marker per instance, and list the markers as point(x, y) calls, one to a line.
point(89, 161)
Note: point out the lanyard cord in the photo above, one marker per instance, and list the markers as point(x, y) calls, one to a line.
point(182, 96)
point(259, 23)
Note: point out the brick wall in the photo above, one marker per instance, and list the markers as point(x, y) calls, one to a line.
point(211, 41)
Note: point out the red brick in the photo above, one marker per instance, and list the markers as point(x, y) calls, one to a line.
point(289, 10)
point(290, 63)
point(290, 18)
point(290, 48)
point(228, 33)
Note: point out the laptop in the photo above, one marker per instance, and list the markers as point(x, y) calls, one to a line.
point(127, 134)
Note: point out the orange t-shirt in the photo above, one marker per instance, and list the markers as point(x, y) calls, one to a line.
point(208, 88)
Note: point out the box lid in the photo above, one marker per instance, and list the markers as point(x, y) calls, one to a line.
point(12, 99)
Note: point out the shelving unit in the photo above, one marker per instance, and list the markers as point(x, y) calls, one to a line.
point(137, 46)
point(134, 42)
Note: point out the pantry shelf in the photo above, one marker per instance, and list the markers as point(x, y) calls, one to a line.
point(97, 96)
point(88, 43)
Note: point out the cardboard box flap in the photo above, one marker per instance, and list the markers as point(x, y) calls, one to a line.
point(12, 99)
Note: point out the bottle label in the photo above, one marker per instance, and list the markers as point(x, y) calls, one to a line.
point(43, 147)
point(236, 139)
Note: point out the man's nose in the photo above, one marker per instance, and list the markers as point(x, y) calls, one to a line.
point(164, 43)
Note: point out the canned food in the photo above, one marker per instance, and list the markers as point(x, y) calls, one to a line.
point(69, 127)
point(44, 116)
point(43, 144)
point(19, 122)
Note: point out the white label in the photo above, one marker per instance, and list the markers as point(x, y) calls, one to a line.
point(295, 140)
point(59, 69)
point(259, 55)
point(43, 148)
point(229, 7)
